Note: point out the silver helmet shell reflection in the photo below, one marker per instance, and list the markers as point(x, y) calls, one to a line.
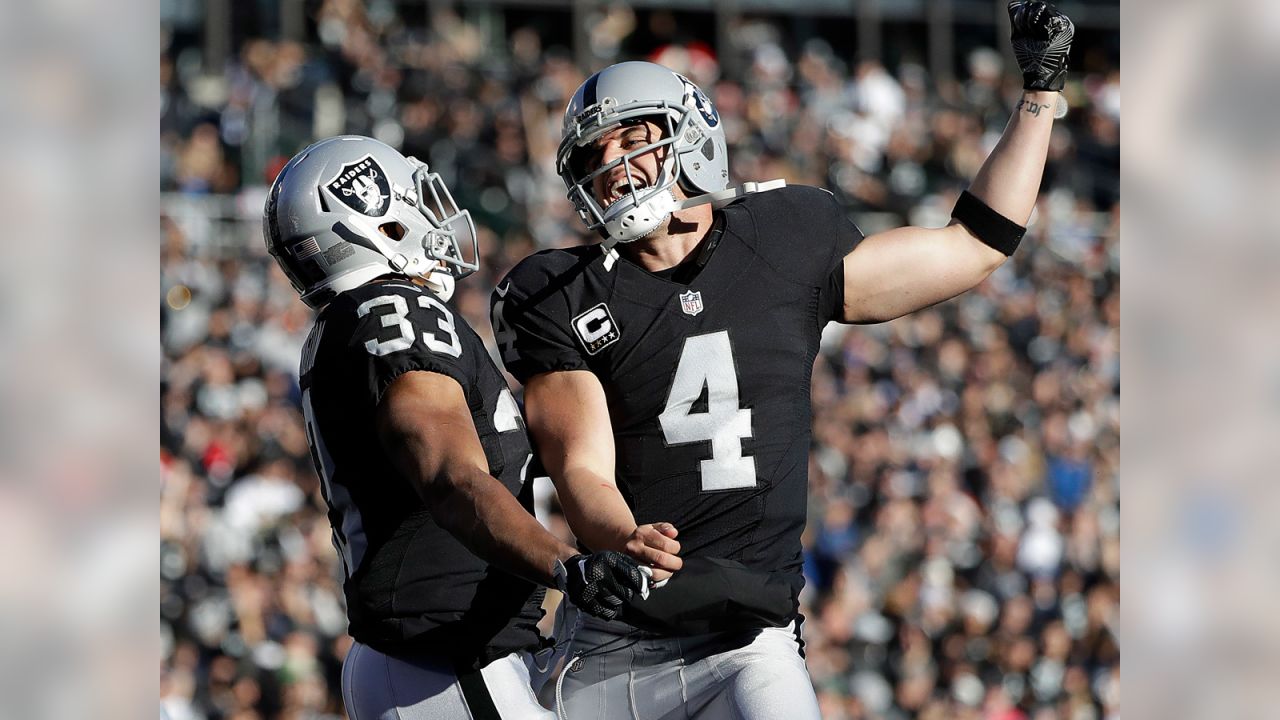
point(690, 125)
point(349, 209)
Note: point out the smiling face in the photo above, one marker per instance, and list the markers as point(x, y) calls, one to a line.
point(611, 186)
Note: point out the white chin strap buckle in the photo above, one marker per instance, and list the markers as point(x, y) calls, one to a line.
point(634, 223)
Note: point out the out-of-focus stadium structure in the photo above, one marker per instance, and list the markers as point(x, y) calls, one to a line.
point(963, 546)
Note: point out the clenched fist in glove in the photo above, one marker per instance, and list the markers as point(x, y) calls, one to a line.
point(600, 583)
point(1041, 39)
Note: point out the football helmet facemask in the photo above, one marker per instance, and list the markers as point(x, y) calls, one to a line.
point(349, 209)
point(624, 93)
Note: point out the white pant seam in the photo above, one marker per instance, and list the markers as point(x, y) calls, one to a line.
point(631, 686)
point(684, 687)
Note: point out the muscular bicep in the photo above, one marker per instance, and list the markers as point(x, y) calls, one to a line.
point(425, 427)
point(899, 271)
point(568, 416)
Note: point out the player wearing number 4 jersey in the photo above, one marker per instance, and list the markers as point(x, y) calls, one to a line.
point(667, 369)
point(421, 451)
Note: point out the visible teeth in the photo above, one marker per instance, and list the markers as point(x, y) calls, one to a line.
point(622, 187)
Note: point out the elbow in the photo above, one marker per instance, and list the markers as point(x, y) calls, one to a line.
point(439, 485)
point(446, 496)
point(435, 492)
point(982, 269)
point(436, 480)
point(986, 258)
point(994, 260)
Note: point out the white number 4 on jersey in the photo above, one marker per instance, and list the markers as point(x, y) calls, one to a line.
point(706, 361)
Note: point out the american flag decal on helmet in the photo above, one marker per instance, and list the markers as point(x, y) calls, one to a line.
point(306, 248)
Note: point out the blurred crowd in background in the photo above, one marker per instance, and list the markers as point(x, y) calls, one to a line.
point(962, 552)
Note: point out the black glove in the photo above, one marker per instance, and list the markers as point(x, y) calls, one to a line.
point(600, 583)
point(1041, 39)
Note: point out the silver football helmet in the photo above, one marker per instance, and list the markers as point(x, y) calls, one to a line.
point(348, 209)
point(698, 159)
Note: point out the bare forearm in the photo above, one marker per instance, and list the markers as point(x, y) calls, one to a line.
point(595, 509)
point(1009, 180)
point(569, 418)
point(475, 508)
point(425, 427)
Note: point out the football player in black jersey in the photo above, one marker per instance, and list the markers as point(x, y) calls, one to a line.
point(421, 451)
point(667, 369)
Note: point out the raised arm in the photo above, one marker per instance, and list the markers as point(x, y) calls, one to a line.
point(899, 271)
point(569, 419)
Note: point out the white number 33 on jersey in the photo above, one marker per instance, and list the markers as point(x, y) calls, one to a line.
point(398, 318)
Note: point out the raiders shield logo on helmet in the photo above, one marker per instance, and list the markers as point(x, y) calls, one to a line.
point(362, 186)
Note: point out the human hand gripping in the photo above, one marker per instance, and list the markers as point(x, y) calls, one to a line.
point(1041, 38)
point(600, 583)
point(654, 546)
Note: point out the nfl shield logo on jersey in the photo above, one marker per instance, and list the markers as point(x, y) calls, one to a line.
point(691, 302)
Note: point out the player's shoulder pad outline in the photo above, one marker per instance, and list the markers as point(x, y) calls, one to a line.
point(545, 273)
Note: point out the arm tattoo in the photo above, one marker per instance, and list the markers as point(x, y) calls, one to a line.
point(1032, 107)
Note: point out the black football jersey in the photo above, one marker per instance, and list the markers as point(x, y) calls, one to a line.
point(707, 382)
point(408, 581)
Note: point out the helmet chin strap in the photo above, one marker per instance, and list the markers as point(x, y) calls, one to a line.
point(666, 203)
point(438, 279)
point(441, 283)
point(631, 224)
point(634, 223)
point(723, 197)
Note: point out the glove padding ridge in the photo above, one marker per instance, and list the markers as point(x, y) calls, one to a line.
point(599, 584)
point(1041, 38)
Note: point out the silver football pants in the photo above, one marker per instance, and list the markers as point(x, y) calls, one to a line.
point(377, 686)
point(611, 672)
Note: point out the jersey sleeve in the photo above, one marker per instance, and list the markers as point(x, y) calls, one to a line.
point(805, 233)
point(531, 324)
point(396, 329)
point(844, 235)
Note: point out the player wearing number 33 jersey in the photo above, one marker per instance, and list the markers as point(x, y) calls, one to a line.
point(707, 376)
point(421, 452)
point(409, 579)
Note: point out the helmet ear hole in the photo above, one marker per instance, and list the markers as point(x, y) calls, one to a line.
point(393, 230)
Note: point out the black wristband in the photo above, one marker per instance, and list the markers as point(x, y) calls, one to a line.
point(988, 225)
